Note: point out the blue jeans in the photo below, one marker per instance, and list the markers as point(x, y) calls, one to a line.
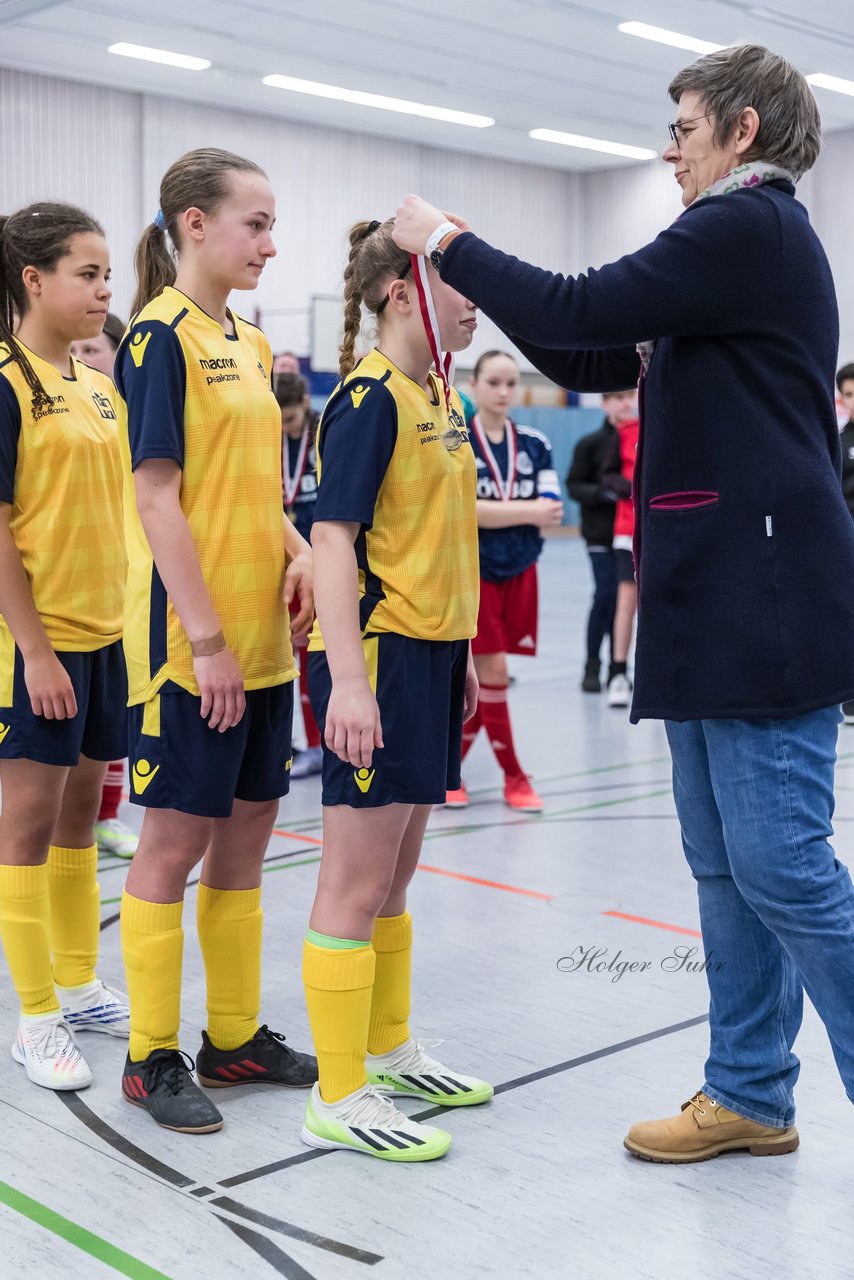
point(600, 622)
point(755, 802)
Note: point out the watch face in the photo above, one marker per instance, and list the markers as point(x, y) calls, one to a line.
point(436, 258)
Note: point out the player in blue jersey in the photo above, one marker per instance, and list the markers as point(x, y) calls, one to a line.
point(299, 493)
point(517, 497)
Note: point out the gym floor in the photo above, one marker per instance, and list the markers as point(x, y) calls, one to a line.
point(509, 913)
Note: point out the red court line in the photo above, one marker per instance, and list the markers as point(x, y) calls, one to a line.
point(654, 924)
point(294, 835)
point(436, 871)
point(490, 884)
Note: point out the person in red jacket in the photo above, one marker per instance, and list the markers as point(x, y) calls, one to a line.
point(620, 482)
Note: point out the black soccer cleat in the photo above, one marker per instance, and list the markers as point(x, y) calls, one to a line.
point(265, 1059)
point(163, 1084)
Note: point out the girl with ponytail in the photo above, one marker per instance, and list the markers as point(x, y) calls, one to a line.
point(213, 566)
point(62, 674)
point(391, 679)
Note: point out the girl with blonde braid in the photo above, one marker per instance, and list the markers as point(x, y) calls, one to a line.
point(392, 680)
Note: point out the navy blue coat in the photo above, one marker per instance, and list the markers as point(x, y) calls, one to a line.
point(745, 545)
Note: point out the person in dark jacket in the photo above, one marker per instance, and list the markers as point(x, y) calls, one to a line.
point(845, 387)
point(593, 455)
point(745, 555)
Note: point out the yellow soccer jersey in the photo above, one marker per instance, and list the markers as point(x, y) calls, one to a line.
point(203, 399)
point(392, 459)
point(60, 472)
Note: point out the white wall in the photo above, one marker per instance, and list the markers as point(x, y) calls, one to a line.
point(107, 150)
point(625, 209)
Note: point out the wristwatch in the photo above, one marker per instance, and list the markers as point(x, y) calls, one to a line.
point(434, 253)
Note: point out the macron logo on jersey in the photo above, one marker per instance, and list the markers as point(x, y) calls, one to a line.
point(225, 362)
point(138, 344)
point(358, 394)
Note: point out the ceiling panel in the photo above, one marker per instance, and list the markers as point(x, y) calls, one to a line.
point(527, 63)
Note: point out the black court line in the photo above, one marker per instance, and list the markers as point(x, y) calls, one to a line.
point(180, 1181)
point(266, 1249)
point(297, 1233)
point(118, 1142)
point(520, 1081)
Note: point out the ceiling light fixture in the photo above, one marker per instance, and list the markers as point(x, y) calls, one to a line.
point(821, 81)
point(662, 36)
point(378, 100)
point(593, 144)
point(159, 55)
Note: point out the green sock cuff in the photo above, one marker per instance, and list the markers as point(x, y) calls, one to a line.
point(333, 944)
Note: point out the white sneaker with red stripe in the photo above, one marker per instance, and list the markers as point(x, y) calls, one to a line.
point(46, 1048)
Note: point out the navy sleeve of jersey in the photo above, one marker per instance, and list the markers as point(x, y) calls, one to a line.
point(152, 378)
point(543, 460)
point(10, 430)
point(357, 436)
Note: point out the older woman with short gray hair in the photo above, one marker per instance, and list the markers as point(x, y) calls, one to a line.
point(745, 557)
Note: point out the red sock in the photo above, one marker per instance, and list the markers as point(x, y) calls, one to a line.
point(470, 731)
point(111, 796)
point(312, 733)
point(495, 714)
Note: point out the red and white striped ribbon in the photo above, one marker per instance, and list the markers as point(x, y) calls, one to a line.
point(444, 363)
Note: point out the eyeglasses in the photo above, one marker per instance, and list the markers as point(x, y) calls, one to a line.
point(381, 308)
point(678, 126)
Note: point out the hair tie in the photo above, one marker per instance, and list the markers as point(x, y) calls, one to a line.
point(159, 219)
point(373, 226)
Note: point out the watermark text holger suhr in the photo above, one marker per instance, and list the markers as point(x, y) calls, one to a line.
point(598, 960)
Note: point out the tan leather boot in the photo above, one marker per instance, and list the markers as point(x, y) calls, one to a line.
point(704, 1129)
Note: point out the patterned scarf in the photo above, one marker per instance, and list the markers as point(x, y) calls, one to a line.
point(754, 174)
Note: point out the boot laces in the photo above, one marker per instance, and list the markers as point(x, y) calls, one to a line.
point(372, 1111)
point(54, 1040)
point(172, 1068)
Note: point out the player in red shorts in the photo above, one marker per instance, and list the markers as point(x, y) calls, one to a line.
point(514, 473)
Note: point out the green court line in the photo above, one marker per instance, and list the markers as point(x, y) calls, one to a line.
point(476, 826)
point(283, 866)
point(582, 773)
point(286, 866)
point(79, 1237)
point(534, 819)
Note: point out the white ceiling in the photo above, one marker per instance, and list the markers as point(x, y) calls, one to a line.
point(528, 63)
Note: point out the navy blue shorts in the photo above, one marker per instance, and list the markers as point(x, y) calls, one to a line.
point(420, 689)
point(99, 730)
point(178, 762)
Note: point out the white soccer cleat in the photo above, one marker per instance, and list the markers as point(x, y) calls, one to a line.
point(95, 1007)
point(115, 839)
point(46, 1048)
point(410, 1072)
point(364, 1121)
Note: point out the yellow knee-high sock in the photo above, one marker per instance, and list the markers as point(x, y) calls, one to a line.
point(230, 923)
point(153, 950)
point(75, 914)
point(389, 1026)
point(25, 934)
point(338, 987)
